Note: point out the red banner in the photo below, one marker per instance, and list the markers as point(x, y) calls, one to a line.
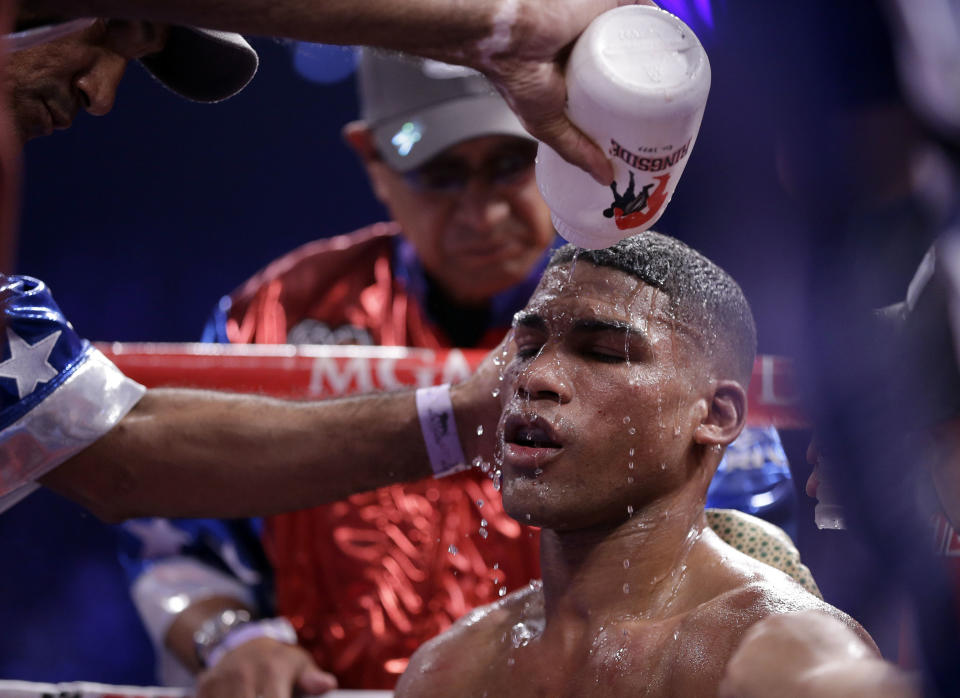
point(317, 372)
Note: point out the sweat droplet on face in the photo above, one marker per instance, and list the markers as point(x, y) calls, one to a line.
point(479, 430)
point(521, 634)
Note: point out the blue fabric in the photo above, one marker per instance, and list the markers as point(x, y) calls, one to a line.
point(30, 318)
point(215, 329)
point(231, 546)
point(754, 477)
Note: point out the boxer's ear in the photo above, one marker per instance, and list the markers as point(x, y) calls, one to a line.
point(359, 137)
point(725, 417)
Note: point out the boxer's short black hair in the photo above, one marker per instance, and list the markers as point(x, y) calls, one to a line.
point(702, 294)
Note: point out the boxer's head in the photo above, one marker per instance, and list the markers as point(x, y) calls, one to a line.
point(628, 380)
point(55, 70)
point(455, 168)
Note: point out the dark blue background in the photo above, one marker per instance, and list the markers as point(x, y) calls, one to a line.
point(141, 219)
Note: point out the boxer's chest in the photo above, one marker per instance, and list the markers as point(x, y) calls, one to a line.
point(619, 659)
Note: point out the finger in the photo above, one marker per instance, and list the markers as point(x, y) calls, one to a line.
point(313, 681)
point(219, 686)
point(538, 93)
point(574, 146)
point(274, 686)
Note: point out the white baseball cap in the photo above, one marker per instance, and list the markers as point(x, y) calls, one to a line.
point(202, 65)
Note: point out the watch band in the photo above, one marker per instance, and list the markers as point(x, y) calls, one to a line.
point(279, 629)
point(214, 629)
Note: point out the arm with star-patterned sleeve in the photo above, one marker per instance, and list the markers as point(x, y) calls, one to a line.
point(70, 420)
point(58, 393)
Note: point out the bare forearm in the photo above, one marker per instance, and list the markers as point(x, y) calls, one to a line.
point(192, 453)
point(411, 26)
point(521, 45)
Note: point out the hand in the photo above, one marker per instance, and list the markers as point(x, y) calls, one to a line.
point(524, 58)
point(264, 668)
point(476, 403)
point(806, 654)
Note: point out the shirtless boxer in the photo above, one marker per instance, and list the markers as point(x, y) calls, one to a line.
point(627, 382)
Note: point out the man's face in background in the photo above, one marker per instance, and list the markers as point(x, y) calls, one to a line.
point(473, 212)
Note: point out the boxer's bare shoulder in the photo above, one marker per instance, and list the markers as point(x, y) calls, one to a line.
point(706, 636)
point(679, 649)
point(463, 659)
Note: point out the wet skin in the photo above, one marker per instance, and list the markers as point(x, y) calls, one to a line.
point(638, 597)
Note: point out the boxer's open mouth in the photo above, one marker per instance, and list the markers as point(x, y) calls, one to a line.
point(533, 438)
point(529, 440)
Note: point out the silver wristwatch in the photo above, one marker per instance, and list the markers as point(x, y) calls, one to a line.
point(214, 629)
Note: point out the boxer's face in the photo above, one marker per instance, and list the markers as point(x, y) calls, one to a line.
point(48, 84)
point(602, 400)
point(473, 213)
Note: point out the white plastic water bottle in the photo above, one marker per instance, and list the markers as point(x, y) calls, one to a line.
point(637, 84)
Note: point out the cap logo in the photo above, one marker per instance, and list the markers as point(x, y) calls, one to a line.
point(407, 137)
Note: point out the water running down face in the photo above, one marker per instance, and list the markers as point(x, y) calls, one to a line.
point(602, 368)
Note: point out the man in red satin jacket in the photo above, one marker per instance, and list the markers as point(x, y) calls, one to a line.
point(367, 580)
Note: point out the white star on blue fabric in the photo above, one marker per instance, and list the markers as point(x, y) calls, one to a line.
point(29, 364)
point(158, 537)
